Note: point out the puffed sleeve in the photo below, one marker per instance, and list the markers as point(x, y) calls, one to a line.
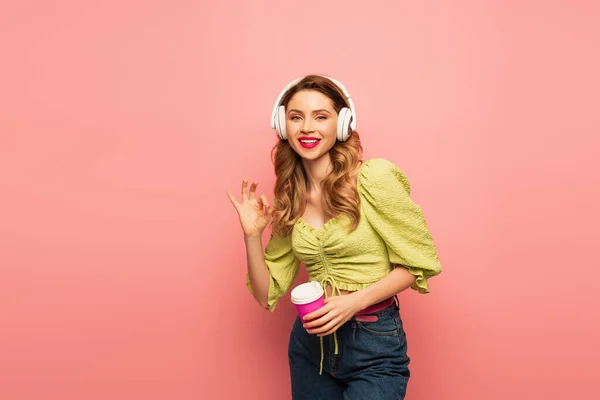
point(283, 268)
point(398, 220)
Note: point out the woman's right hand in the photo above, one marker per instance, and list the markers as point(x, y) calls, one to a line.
point(255, 213)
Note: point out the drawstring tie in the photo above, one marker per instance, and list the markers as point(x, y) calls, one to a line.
point(334, 287)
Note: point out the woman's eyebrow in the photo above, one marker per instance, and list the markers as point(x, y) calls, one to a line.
point(314, 112)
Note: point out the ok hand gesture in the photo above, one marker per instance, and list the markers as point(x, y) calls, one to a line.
point(255, 213)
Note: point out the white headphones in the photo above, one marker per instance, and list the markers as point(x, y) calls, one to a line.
point(346, 117)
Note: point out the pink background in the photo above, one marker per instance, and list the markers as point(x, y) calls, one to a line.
point(122, 123)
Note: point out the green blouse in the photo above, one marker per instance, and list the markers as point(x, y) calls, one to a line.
point(392, 230)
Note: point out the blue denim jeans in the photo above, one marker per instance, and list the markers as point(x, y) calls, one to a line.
point(371, 362)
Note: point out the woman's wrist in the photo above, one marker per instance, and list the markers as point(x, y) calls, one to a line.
point(253, 238)
point(359, 300)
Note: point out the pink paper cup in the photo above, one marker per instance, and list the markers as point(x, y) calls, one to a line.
point(307, 297)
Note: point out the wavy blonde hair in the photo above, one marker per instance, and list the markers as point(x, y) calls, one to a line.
point(291, 184)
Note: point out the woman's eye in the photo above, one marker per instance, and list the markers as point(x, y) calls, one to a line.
point(294, 117)
point(321, 117)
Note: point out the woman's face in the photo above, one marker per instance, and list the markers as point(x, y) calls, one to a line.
point(311, 124)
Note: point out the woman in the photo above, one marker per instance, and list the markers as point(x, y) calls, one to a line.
point(354, 226)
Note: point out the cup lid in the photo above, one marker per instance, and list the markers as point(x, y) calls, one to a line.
point(306, 293)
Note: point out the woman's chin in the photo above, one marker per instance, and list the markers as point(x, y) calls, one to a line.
point(311, 154)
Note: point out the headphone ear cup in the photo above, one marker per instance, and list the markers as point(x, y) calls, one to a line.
point(346, 130)
point(343, 126)
point(280, 122)
point(276, 125)
point(276, 122)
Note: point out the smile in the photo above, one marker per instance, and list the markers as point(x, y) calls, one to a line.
point(309, 143)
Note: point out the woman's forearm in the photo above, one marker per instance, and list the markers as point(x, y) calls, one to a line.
point(259, 275)
point(395, 282)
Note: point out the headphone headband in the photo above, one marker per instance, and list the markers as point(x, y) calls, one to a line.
point(335, 82)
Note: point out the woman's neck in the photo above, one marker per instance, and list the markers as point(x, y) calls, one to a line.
point(316, 171)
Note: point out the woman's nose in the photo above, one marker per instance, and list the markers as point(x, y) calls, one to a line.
point(307, 125)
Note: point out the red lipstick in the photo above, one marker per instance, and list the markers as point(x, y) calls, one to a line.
point(308, 142)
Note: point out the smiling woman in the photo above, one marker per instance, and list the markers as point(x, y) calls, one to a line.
point(311, 122)
point(360, 235)
point(318, 108)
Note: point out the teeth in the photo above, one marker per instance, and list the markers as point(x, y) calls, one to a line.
point(309, 141)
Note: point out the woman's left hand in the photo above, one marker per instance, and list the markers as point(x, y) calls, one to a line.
point(335, 313)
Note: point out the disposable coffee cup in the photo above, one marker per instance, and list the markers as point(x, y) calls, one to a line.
point(307, 297)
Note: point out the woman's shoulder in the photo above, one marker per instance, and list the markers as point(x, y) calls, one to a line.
point(378, 165)
point(381, 172)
